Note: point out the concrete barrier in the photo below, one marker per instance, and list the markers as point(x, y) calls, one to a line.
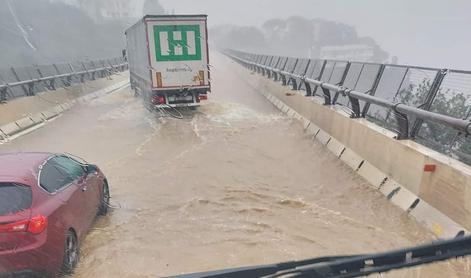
point(49, 114)
point(351, 159)
point(372, 174)
point(403, 198)
point(65, 106)
point(440, 224)
point(37, 118)
point(10, 129)
point(441, 199)
point(306, 123)
point(58, 109)
point(312, 130)
point(56, 102)
point(335, 147)
point(322, 137)
point(18, 108)
point(25, 123)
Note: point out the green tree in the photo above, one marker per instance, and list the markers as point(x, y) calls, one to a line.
point(454, 103)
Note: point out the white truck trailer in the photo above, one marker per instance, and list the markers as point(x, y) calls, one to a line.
point(168, 59)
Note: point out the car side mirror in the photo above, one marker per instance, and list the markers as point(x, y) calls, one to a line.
point(91, 169)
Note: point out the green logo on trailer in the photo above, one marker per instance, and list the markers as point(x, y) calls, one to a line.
point(177, 42)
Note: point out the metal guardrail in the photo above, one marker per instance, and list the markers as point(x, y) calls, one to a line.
point(415, 102)
point(27, 81)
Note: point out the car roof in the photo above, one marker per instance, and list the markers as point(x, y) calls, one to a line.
point(22, 167)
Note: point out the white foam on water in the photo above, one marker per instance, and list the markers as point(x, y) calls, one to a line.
point(230, 112)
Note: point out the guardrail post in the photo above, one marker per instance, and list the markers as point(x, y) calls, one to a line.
point(49, 86)
point(18, 79)
point(294, 84)
point(373, 89)
point(102, 72)
point(112, 69)
point(275, 76)
point(112, 66)
point(342, 80)
point(82, 78)
point(307, 85)
point(56, 68)
point(403, 125)
point(72, 71)
point(313, 91)
point(327, 96)
point(283, 79)
point(3, 95)
point(39, 72)
point(52, 84)
point(66, 82)
point(355, 103)
point(31, 89)
point(94, 68)
point(434, 89)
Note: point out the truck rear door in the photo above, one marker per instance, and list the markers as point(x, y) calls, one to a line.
point(178, 52)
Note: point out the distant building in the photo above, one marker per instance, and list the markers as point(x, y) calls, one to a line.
point(350, 52)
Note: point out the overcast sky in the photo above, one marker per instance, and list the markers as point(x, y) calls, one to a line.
point(424, 32)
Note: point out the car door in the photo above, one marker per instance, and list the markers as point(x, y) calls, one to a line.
point(87, 183)
point(93, 182)
point(64, 189)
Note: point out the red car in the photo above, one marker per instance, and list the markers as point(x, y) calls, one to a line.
point(47, 204)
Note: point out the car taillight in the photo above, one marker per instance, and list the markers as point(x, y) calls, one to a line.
point(20, 226)
point(35, 225)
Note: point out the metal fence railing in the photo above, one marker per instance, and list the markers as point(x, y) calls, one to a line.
point(27, 81)
point(429, 105)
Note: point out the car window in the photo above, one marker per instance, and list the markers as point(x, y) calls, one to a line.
point(72, 167)
point(54, 176)
point(14, 198)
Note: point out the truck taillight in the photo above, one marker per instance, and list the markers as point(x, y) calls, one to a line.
point(35, 225)
point(158, 76)
point(201, 77)
point(158, 100)
point(203, 97)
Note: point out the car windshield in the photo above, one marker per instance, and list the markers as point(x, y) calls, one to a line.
point(14, 198)
point(181, 137)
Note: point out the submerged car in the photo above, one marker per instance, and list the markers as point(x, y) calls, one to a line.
point(47, 204)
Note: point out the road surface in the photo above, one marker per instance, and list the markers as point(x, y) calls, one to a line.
point(234, 183)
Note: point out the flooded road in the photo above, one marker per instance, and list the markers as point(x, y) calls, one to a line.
point(234, 183)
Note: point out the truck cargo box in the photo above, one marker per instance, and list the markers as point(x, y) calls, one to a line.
point(169, 59)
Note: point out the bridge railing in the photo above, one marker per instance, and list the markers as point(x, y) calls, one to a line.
point(27, 81)
point(429, 105)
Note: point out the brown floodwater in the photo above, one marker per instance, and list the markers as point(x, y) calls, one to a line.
point(234, 183)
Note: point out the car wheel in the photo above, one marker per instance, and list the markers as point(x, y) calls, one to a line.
point(71, 253)
point(105, 200)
